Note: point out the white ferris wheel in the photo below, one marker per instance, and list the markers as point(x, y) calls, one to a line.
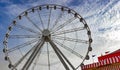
point(47, 37)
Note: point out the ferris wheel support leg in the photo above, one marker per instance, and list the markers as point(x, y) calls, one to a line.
point(61, 56)
point(33, 55)
point(58, 54)
point(66, 59)
point(16, 64)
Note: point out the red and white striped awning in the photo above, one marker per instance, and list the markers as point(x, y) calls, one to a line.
point(90, 66)
point(104, 60)
point(101, 63)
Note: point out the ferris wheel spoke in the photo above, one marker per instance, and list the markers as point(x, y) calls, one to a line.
point(27, 29)
point(33, 55)
point(71, 39)
point(69, 49)
point(22, 45)
point(49, 18)
point(48, 57)
point(69, 31)
point(33, 23)
point(61, 55)
point(41, 19)
point(21, 59)
point(57, 20)
point(64, 24)
point(23, 36)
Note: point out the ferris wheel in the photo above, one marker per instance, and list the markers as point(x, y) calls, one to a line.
point(47, 37)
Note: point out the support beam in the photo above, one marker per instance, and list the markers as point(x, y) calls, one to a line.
point(49, 18)
point(33, 23)
point(64, 24)
point(23, 36)
point(68, 31)
point(71, 39)
point(41, 21)
point(65, 58)
point(22, 45)
point(27, 29)
point(36, 60)
point(58, 54)
point(57, 20)
point(17, 63)
point(69, 49)
point(33, 55)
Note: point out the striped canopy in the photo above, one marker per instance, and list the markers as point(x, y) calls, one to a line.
point(108, 59)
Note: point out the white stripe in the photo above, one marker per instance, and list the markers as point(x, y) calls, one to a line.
point(110, 60)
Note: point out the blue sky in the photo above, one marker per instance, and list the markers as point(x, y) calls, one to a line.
point(102, 16)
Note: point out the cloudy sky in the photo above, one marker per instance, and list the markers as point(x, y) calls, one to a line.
point(102, 16)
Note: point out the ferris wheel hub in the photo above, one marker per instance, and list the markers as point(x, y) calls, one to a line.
point(46, 34)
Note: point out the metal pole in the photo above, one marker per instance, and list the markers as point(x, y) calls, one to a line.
point(58, 54)
point(33, 55)
point(66, 58)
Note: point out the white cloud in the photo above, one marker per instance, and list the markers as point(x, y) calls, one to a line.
point(15, 10)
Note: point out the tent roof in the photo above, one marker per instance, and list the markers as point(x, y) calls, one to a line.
point(117, 51)
point(111, 58)
point(110, 54)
